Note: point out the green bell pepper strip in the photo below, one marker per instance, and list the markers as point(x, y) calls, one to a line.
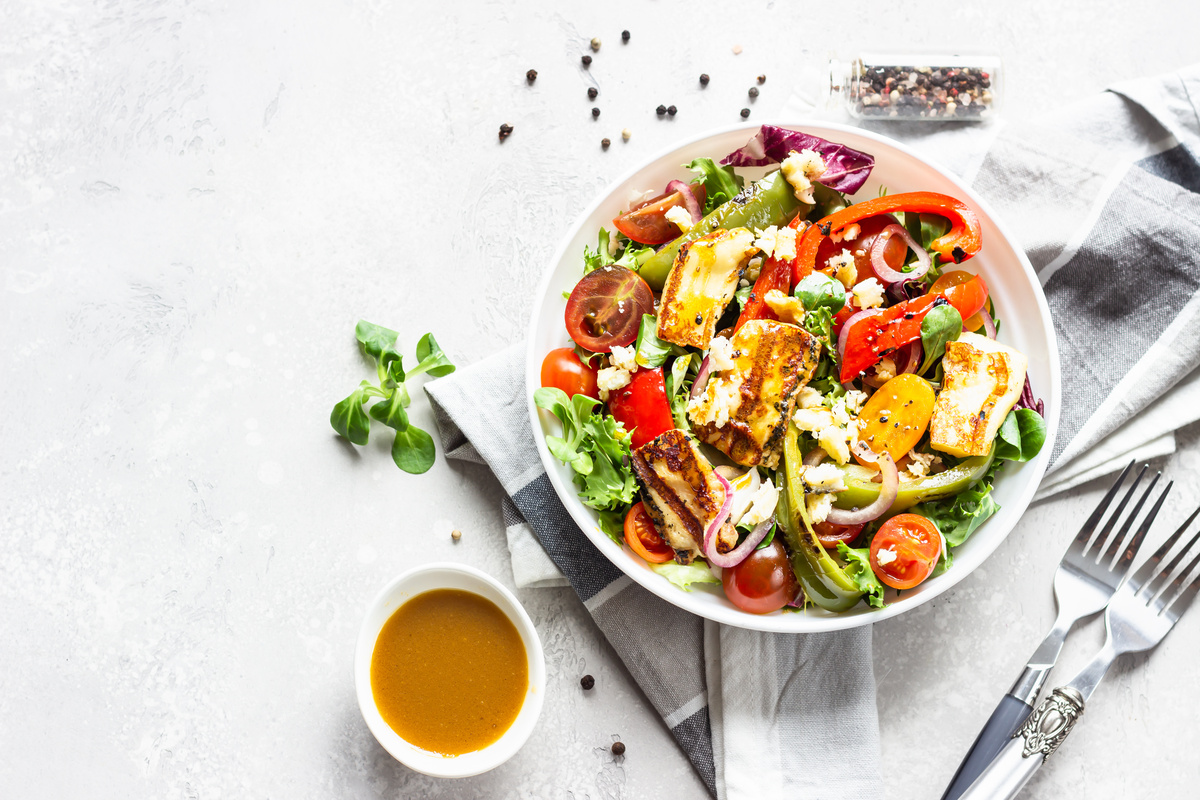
point(861, 491)
point(771, 201)
point(824, 581)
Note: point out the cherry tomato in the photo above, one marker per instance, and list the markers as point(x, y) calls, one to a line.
point(830, 534)
point(958, 277)
point(763, 583)
point(647, 223)
point(642, 406)
point(642, 537)
point(562, 369)
point(894, 252)
point(966, 292)
point(896, 416)
point(606, 307)
point(914, 545)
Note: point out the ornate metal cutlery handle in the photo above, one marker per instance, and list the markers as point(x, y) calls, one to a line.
point(1050, 722)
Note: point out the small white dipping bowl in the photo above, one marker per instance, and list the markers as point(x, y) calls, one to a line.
point(402, 589)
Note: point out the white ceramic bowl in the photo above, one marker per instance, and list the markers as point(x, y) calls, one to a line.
point(395, 594)
point(1020, 305)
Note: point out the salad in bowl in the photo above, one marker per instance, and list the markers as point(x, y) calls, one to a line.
point(774, 386)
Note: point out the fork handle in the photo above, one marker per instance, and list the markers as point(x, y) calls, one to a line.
point(1000, 727)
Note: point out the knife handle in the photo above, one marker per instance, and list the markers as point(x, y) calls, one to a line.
point(1000, 727)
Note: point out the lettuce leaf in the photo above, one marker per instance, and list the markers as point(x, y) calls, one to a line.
point(594, 445)
point(959, 516)
point(720, 183)
point(684, 575)
point(858, 568)
point(846, 169)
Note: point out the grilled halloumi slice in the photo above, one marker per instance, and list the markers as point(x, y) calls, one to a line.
point(983, 381)
point(744, 411)
point(701, 283)
point(682, 494)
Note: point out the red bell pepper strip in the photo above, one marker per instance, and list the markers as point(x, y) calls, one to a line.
point(871, 338)
point(642, 406)
point(775, 274)
point(961, 242)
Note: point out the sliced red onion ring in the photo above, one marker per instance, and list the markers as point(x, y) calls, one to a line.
point(738, 554)
point(701, 379)
point(879, 264)
point(850, 323)
point(887, 491)
point(710, 534)
point(915, 352)
point(689, 199)
point(989, 326)
point(815, 457)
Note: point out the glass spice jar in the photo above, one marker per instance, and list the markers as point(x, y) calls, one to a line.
point(893, 86)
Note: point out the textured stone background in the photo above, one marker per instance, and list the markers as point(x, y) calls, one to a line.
point(198, 200)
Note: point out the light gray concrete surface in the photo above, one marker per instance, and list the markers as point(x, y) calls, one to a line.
point(198, 200)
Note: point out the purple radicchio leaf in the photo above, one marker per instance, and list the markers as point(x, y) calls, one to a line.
point(1027, 400)
point(846, 169)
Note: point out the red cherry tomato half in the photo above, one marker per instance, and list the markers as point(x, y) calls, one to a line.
point(642, 537)
point(606, 307)
point(894, 252)
point(912, 544)
point(830, 534)
point(969, 298)
point(647, 222)
point(562, 369)
point(642, 406)
point(763, 583)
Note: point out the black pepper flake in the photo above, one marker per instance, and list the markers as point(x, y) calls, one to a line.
point(699, 320)
point(762, 79)
point(958, 254)
point(624, 36)
point(618, 748)
point(704, 79)
point(671, 111)
point(592, 92)
point(939, 301)
point(753, 91)
point(531, 75)
point(660, 110)
point(896, 425)
point(595, 112)
point(587, 682)
point(745, 113)
point(605, 142)
point(505, 131)
point(587, 60)
point(824, 227)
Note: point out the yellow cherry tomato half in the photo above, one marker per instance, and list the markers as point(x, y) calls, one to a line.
point(957, 277)
point(896, 416)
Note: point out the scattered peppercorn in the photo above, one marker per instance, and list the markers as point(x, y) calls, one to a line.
point(704, 79)
point(672, 110)
point(737, 49)
point(745, 113)
point(624, 36)
point(592, 92)
point(531, 75)
point(505, 131)
point(762, 79)
point(660, 110)
point(605, 142)
point(618, 748)
point(626, 133)
point(587, 60)
point(587, 682)
point(595, 43)
point(754, 91)
point(456, 534)
point(595, 112)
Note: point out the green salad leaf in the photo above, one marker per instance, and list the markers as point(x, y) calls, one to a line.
point(651, 350)
point(678, 386)
point(941, 325)
point(1021, 435)
point(684, 575)
point(858, 569)
point(594, 445)
point(431, 358)
point(599, 258)
point(818, 290)
point(960, 515)
point(612, 525)
point(720, 183)
point(413, 450)
point(742, 295)
point(350, 419)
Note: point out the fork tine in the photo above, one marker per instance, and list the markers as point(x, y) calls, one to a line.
point(1169, 572)
point(1115, 546)
point(1131, 549)
point(1089, 527)
point(1169, 603)
point(1149, 570)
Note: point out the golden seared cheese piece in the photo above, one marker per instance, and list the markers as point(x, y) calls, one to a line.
point(983, 381)
point(744, 411)
point(682, 494)
point(701, 283)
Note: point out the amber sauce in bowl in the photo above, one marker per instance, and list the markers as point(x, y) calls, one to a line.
point(449, 672)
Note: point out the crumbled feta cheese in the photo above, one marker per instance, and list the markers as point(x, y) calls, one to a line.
point(610, 379)
point(824, 478)
point(813, 420)
point(819, 506)
point(720, 354)
point(623, 358)
point(919, 464)
point(765, 240)
point(844, 268)
point(810, 398)
point(680, 216)
point(840, 414)
point(851, 232)
point(785, 244)
point(885, 370)
point(853, 429)
point(799, 169)
point(614, 245)
point(786, 307)
point(754, 268)
point(716, 404)
point(885, 556)
point(869, 294)
point(762, 506)
point(835, 441)
point(636, 197)
point(743, 283)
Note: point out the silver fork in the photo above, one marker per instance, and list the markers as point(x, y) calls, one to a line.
point(1085, 580)
point(1141, 613)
